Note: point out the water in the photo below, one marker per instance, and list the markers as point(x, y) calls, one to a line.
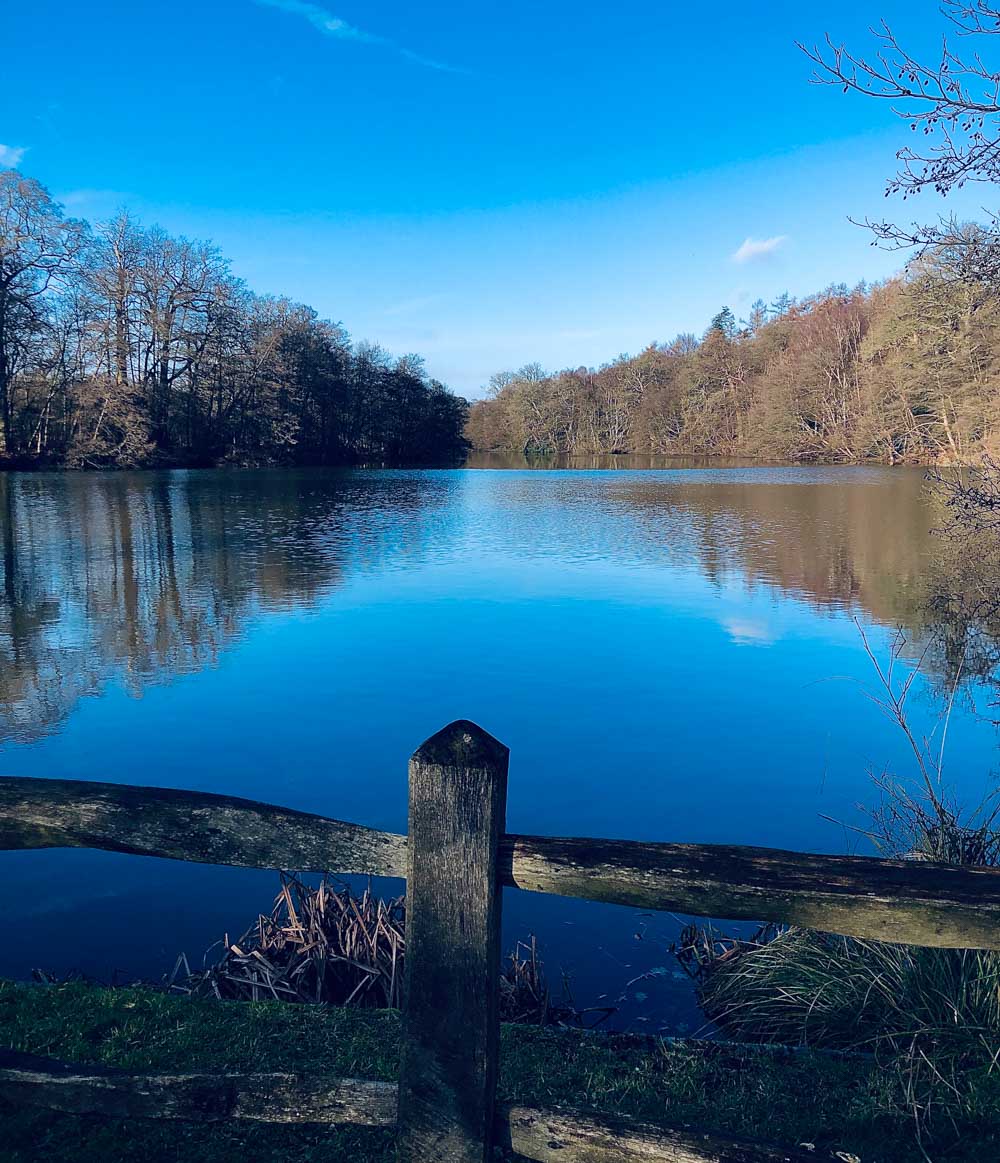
point(670, 654)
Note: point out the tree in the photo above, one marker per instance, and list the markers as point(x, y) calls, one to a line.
point(113, 274)
point(38, 246)
point(724, 323)
point(951, 103)
point(782, 305)
point(128, 346)
point(759, 314)
point(901, 372)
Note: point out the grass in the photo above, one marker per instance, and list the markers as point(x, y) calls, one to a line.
point(930, 1017)
point(838, 1103)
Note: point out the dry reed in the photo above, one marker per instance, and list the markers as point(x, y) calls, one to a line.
point(328, 945)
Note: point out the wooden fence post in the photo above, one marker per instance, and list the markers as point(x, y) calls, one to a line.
point(451, 1027)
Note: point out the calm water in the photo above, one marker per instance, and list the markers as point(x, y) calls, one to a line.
point(670, 654)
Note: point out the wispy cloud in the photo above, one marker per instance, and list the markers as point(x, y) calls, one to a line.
point(10, 156)
point(755, 248)
point(92, 202)
point(330, 25)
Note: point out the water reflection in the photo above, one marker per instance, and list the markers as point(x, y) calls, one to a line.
point(146, 576)
point(836, 538)
point(143, 577)
point(653, 646)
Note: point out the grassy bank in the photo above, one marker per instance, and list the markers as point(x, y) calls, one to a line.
point(837, 1103)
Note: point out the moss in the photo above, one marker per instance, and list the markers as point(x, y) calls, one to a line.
point(782, 1097)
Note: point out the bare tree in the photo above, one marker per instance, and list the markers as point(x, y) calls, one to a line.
point(128, 346)
point(952, 106)
point(38, 245)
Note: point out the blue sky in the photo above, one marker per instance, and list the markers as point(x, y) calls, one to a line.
point(487, 184)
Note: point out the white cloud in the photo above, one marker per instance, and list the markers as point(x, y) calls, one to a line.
point(92, 203)
point(10, 156)
point(755, 248)
point(320, 19)
point(749, 631)
point(330, 25)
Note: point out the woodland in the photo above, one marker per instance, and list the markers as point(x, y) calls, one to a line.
point(124, 346)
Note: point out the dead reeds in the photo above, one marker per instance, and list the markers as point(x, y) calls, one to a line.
point(328, 945)
point(318, 944)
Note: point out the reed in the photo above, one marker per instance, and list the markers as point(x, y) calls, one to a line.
point(319, 943)
point(930, 1016)
point(326, 944)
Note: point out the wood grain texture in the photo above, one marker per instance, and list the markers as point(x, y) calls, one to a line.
point(913, 902)
point(270, 1098)
point(559, 1135)
point(186, 825)
point(451, 1021)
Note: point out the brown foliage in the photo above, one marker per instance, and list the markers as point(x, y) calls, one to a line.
point(904, 372)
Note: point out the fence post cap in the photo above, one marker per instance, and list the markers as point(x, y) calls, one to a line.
point(461, 744)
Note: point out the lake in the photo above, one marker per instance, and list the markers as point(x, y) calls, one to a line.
point(670, 653)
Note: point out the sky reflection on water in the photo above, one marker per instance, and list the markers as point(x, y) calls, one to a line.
point(669, 654)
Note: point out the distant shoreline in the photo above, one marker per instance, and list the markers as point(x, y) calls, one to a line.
point(478, 459)
point(558, 460)
point(33, 466)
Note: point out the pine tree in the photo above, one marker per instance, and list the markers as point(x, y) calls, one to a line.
point(724, 323)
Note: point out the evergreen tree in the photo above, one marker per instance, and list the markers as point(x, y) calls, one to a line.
point(724, 323)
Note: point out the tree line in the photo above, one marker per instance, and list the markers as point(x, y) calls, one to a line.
point(907, 370)
point(122, 345)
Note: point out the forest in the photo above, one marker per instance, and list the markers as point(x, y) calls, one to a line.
point(905, 371)
point(124, 346)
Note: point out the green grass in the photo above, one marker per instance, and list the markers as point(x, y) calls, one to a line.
point(931, 1017)
point(783, 1096)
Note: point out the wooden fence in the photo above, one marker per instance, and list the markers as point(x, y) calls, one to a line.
point(456, 857)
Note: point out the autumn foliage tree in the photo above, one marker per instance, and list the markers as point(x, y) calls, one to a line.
point(905, 371)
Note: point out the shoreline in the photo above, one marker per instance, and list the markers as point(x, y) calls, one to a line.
point(555, 462)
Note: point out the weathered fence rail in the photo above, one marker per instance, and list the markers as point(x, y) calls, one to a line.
point(912, 902)
point(455, 859)
point(553, 1135)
